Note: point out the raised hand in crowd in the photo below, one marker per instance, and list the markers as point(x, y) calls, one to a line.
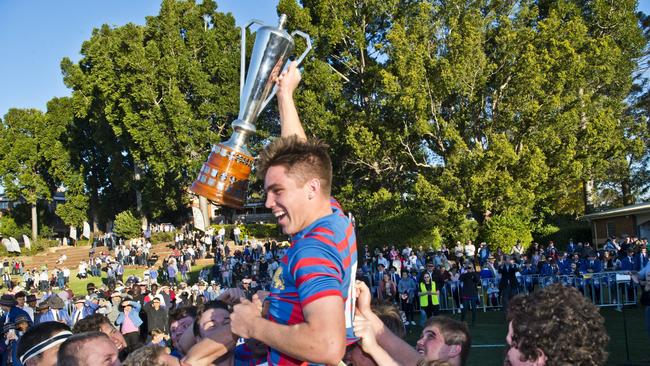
point(363, 329)
point(393, 345)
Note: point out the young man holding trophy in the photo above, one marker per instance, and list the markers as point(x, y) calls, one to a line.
point(311, 300)
point(311, 305)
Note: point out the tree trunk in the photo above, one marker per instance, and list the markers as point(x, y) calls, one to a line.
point(34, 222)
point(95, 221)
point(588, 195)
point(138, 196)
point(628, 197)
point(203, 205)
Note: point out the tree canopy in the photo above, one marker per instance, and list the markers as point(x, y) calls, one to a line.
point(447, 120)
point(440, 111)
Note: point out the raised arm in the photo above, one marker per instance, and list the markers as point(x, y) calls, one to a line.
point(286, 84)
point(363, 329)
point(217, 342)
point(393, 345)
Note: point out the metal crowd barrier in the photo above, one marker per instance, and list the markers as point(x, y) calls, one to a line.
point(602, 289)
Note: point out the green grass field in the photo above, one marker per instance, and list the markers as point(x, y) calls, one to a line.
point(488, 337)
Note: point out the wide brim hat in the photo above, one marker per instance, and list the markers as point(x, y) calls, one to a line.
point(7, 327)
point(63, 295)
point(55, 302)
point(8, 300)
point(22, 319)
point(31, 298)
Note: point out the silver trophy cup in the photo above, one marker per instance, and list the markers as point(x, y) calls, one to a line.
point(223, 179)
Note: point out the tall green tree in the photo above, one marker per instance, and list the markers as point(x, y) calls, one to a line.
point(444, 110)
point(24, 164)
point(149, 101)
point(74, 211)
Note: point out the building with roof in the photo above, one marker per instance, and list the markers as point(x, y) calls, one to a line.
point(632, 220)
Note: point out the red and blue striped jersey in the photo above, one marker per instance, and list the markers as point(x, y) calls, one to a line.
point(244, 356)
point(321, 262)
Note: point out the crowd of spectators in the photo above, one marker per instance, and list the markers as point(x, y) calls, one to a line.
point(158, 306)
point(429, 279)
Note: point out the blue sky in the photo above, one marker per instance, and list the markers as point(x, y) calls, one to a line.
point(36, 34)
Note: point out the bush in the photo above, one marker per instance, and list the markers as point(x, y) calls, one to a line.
point(565, 227)
point(436, 239)
point(262, 230)
point(9, 228)
point(45, 232)
point(468, 230)
point(40, 245)
point(259, 231)
point(399, 229)
point(162, 237)
point(127, 225)
point(37, 246)
point(504, 229)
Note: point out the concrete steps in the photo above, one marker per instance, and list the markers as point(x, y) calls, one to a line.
point(77, 254)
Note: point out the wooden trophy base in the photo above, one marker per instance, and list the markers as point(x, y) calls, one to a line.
point(224, 177)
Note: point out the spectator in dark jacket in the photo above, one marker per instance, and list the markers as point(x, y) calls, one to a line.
point(508, 282)
point(469, 291)
point(157, 316)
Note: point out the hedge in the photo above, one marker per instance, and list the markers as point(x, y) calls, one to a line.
point(260, 231)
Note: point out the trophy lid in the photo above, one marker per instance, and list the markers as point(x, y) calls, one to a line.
point(279, 30)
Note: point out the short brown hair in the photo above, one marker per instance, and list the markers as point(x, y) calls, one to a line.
point(454, 333)
point(91, 323)
point(303, 159)
point(70, 353)
point(562, 323)
point(390, 316)
point(145, 356)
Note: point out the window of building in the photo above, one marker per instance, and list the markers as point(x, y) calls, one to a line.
point(611, 229)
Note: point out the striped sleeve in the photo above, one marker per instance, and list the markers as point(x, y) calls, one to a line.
point(317, 270)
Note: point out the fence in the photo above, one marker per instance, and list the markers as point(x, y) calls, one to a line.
point(603, 289)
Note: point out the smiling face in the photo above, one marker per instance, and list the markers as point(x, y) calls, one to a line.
point(288, 198)
point(432, 345)
point(115, 336)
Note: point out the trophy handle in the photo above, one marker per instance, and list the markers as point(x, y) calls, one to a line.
point(242, 65)
point(286, 66)
point(307, 39)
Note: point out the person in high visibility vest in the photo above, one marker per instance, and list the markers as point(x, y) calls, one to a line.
point(428, 296)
